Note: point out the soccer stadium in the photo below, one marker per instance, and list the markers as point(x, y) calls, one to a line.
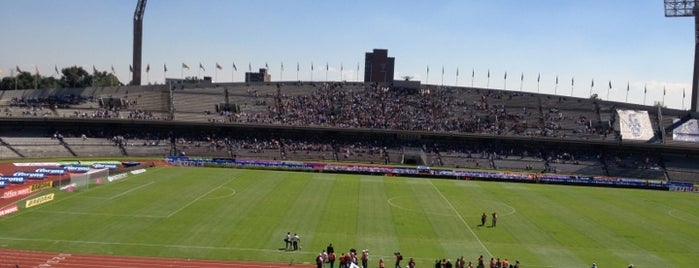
point(384, 172)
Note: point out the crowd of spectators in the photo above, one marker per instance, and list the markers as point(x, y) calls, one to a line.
point(343, 105)
point(442, 109)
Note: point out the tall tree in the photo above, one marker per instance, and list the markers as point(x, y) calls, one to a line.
point(75, 77)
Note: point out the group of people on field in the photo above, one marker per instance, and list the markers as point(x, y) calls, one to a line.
point(291, 242)
point(493, 219)
point(350, 259)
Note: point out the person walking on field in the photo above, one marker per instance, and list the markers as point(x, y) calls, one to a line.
point(295, 241)
point(365, 258)
point(483, 219)
point(287, 241)
point(495, 219)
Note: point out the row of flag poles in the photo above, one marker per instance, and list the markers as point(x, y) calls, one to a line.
point(234, 68)
point(538, 84)
point(217, 67)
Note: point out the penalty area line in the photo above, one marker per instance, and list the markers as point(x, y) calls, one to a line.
point(196, 199)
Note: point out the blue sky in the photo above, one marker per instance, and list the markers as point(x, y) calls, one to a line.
point(619, 41)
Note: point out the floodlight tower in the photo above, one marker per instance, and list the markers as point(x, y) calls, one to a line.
point(137, 41)
point(688, 8)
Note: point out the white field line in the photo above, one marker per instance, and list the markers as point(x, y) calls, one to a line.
point(132, 189)
point(462, 219)
point(97, 214)
point(196, 199)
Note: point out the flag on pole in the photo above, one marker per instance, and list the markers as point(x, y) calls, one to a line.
point(327, 67)
point(556, 79)
point(130, 68)
point(311, 66)
point(234, 67)
point(645, 89)
point(683, 95)
point(113, 69)
point(457, 71)
point(94, 70)
point(342, 68)
point(298, 67)
point(164, 68)
point(55, 67)
point(473, 72)
point(521, 78)
point(610, 84)
point(592, 84)
point(505, 75)
point(147, 67)
point(442, 69)
point(282, 67)
point(249, 67)
point(18, 69)
point(36, 67)
point(218, 66)
point(572, 81)
point(202, 67)
point(488, 73)
point(664, 91)
point(184, 66)
point(266, 66)
point(627, 87)
point(538, 78)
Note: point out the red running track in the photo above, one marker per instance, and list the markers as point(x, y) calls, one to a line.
point(23, 258)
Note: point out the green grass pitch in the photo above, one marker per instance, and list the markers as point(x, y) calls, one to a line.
point(216, 213)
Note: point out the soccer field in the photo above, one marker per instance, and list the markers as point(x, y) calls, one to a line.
point(217, 213)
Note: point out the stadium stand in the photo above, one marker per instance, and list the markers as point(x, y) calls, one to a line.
point(453, 127)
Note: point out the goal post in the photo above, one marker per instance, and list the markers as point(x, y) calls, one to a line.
point(84, 180)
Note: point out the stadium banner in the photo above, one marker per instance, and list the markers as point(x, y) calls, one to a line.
point(130, 164)
point(13, 179)
point(37, 164)
point(138, 171)
point(117, 177)
point(635, 125)
point(40, 186)
point(683, 187)
point(89, 163)
point(30, 175)
point(689, 131)
point(107, 166)
point(3, 184)
point(434, 173)
point(51, 171)
point(39, 200)
point(16, 193)
point(9, 210)
point(77, 169)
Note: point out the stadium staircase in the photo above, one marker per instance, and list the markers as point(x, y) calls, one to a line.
point(70, 150)
point(8, 146)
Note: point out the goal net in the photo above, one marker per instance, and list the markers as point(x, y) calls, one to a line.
point(84, 180)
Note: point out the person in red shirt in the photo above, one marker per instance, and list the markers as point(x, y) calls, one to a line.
point(480, 262)
point(399, 258)
point(331, 259)
point(381, 264)
point(483, 219)
point(495, 219)
point(411, 263)
point(365, 258)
